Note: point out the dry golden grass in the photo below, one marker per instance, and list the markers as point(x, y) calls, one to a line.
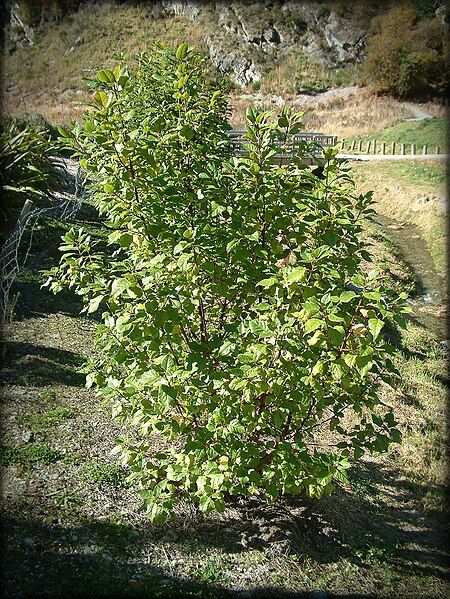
point(359, 114)
point(435, 108)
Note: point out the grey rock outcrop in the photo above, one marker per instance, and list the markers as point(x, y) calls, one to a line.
point(19, 33)
point(244, 37)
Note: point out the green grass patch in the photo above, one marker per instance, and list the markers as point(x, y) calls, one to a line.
point(69, 500)
point(430, 132)
point(50, 418)
point(435, 238)
point(103, 473)
point(29, 454)
point(428, 174)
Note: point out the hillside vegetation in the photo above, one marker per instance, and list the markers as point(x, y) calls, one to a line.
point(289, 50)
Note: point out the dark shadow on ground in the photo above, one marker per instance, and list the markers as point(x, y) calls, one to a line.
point(37, 301)
point(379, 525)
point(42, 254)
point(38, 365)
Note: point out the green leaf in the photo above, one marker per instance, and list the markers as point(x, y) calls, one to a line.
point(102, 99)
point(336, 335)
point(347, 296)
point(226, 348)
point(103, 77)
point(277, 419)
point(125, 240)
point(296, 274)
point(267, 282)
point(94, 304)
point(182, 51)
point(217, 209)
point(312, 324)
point(375, 326)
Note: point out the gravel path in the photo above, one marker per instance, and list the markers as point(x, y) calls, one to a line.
point(419, 113)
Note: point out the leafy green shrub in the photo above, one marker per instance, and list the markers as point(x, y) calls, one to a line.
point(407, 56)
point(229, 335)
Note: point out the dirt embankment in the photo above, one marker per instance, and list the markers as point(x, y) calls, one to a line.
point(413, 193)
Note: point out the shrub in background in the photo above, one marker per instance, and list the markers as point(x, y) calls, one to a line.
point(230, 341)
point(407, 56)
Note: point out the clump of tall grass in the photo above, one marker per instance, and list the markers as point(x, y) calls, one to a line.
point(29, 166)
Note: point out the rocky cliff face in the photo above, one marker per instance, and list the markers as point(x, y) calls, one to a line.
point(244, 37)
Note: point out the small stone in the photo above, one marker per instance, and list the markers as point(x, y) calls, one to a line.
point(29, 542)
point(26, 436)
point(445, 346)
point(74, 537)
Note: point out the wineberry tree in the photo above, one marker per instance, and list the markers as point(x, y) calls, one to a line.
point(240, 339)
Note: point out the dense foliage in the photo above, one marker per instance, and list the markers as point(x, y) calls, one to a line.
point(233, 337)
point(408, 56)
point(29, 165)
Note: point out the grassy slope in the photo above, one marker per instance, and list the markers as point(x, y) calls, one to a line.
point(73, 524)
point(431, 132)
point(48, 70)
point(411, 192)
